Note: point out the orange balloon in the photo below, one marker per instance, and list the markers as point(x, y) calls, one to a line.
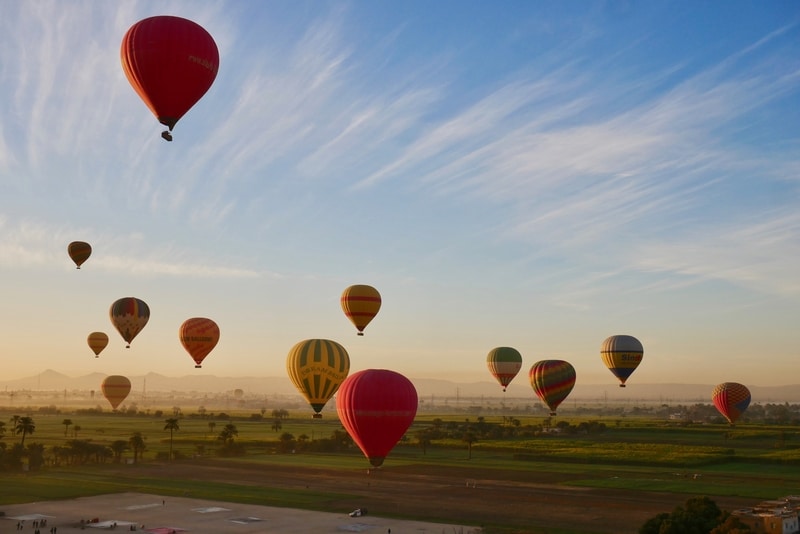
point(199, 336)
point(116, 389)
point(97, 342)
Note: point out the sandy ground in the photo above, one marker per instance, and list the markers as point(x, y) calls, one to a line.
point(159, 514)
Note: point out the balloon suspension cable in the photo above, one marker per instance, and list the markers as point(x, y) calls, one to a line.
point(166, 135)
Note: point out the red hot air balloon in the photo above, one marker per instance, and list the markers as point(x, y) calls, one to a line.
point(731, 399)
point(376, 407)
point(171, 63)
point(552, 381)
point(199, 336)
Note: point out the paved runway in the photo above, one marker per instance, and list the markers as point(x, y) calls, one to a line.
point(159, 514)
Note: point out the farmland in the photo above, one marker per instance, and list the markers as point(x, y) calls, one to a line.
point(507, 474)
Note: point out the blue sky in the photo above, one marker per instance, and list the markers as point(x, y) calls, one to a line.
point(538, 175)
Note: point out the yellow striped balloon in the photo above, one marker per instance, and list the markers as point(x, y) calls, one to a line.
point(622, 355)
point(317, 368)
point(360, 304)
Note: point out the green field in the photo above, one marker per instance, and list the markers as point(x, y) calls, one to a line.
point(755, 461)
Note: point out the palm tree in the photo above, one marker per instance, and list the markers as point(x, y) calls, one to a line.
point(228, 433)
point(25, 426)
point(172, 426)
point(469, 438)
point(136, 442)
point(67, 423)
point(2, 429)
point(211, 425)
point(118, 447)
point(75, 430)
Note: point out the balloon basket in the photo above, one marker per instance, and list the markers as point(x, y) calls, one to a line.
point(317, 416)
point(166, 135)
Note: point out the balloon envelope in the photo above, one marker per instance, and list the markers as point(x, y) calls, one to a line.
point(115, 389)
point(199, 336)
point(97, 342)
point(171, 63)
point(79, 252)
point(360, 304)
point(376, 407)
point(504, 363)
point(129, 315)
point(317, 368)
point(731, 399)
point(552, 381)
point(622, 355)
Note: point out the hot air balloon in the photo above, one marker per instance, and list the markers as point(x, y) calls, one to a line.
point(376, 407)
point(79, 251)
point(199, 336)
point(504, 363)
point(731, 399)
point(317, 368)
point(97, 342)
point(622, 355)
point(552, 381)
point(360, 304)
point(171, 63)
point(115, 389)
point(129, 315)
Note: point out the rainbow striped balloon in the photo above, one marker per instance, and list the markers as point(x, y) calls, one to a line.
point(552, 381)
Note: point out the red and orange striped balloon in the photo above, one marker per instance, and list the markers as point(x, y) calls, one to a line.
point(731, 399)
point(361, 304)
point(199, 336)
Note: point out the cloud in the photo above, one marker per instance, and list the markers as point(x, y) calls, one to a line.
point(30, 243)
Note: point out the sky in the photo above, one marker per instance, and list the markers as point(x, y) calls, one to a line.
point(540, 175)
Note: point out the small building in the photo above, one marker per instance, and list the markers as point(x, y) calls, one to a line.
point(772, 517)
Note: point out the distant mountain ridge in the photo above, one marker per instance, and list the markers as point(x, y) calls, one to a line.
point(51, 380)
